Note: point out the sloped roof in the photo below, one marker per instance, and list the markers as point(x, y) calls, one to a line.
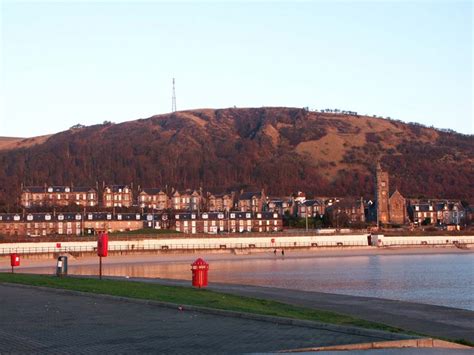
point(249, 195)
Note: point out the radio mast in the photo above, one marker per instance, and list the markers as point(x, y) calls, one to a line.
point(173, 100)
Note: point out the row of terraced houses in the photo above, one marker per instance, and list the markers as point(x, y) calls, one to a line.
point(193, 211)
point(88, 223)
point(385, 208)
point(152, 198)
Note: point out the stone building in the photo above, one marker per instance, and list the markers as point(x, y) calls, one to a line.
point(58, 196)
point(117, 196)
point(397, 208)
point(154, 198)
point(381, 195)
point(391, 209)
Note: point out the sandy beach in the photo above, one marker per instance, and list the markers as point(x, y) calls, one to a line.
point(165, 258)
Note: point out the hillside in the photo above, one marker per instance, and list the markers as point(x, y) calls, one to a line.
point(281, 149)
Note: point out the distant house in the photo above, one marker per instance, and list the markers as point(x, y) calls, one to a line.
point(281, 205)
point(220, 202)
point(251, 201)
point(437, 212)
point(232, 221)
point(346, 211)
point(57, 196)
point(311, 209)
point(117, 196)
point(187, 200)
point(154, 198)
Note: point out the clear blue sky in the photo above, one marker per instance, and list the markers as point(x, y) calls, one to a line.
point(85, 62)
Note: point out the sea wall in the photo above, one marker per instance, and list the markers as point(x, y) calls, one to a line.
point(235, 243)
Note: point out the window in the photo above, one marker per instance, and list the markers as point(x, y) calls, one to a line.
point(109, 216)
point(119, 217)
point(29, 217)
point(78, 217)
point(232, 215)
point(248, 215)
point(220, 216)
point(60, 217)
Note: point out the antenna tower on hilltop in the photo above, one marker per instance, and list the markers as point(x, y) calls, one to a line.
point(173, 100)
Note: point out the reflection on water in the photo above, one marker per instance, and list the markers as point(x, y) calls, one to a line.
point(443, 279)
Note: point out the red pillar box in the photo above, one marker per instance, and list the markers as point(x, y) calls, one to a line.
point(199, 269)
point(14, 260)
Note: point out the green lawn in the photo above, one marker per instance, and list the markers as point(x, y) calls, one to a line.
point(146, 231)
point(190, 296)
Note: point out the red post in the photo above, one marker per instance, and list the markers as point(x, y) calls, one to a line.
point(199, 273)
point(14, 260)
point(102, 249)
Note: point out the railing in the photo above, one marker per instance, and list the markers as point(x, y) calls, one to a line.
point(426, 242)
point(163, 246)
point(208, 246)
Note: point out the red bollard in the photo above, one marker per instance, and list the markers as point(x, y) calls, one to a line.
point(14, 260)
point(102, 249)
point(199, 269)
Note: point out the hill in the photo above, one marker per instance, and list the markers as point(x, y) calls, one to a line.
point(280, 149)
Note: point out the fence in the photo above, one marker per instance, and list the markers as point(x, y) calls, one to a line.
point(161, 246)
point(208, 246)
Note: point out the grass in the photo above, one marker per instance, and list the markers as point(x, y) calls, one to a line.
point(146, 231)
point(191, 296)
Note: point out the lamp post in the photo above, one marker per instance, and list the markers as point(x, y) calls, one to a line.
point(306, 214)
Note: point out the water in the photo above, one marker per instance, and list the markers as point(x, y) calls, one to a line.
point(440, 279)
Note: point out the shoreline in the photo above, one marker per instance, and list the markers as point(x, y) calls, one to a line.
point(171, 258)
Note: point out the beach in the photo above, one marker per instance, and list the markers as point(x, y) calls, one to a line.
point(174, 257)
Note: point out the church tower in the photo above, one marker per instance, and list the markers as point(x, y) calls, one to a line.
point(381, 194)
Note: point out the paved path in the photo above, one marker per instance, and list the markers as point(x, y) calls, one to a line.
point(37, 320)
point(437, 321)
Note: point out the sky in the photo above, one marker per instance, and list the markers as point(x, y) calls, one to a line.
point(69, 62)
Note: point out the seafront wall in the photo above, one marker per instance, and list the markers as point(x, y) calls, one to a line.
point(235, 243)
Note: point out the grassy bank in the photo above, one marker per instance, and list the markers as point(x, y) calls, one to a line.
point(190, 296)
point(145, 231)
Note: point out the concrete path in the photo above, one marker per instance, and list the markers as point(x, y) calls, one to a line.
point(437, 321)
point(39, 320)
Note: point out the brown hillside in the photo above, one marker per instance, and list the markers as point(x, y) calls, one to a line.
point(281, 149)
point(8, 143)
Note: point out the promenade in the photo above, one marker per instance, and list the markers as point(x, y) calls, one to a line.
point(437, 321)
point(38, 320)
